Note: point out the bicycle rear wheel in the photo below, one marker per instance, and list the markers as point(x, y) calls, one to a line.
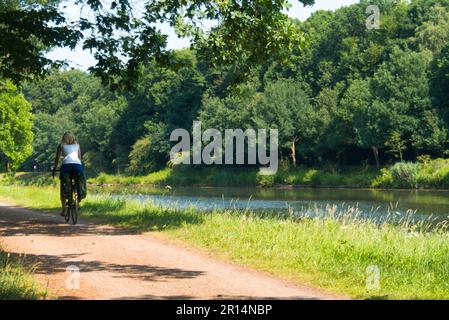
point(75, 208)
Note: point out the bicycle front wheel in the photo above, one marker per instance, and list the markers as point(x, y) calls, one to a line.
point(67, 213)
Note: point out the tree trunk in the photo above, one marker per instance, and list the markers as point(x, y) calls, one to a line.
point(376, 157)
point(400, 155)
point(293, 149)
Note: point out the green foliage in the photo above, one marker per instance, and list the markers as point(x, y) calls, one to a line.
point(440, 81)
point(16, 135)
point(73, 101)
point(396, 144)
point(150, 153)
point(123, 38)
point(16, 282)
point(285, 106)
point(28, 29)
point(406, 174)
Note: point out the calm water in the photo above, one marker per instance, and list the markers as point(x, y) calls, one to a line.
point(377, 204)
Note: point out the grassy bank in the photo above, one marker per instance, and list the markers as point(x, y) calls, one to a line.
point(427, 174)
point(330, 253)
point(16, 282)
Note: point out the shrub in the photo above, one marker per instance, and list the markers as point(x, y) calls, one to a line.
point(405, 174)
point(265, 180)
point(385, 180)
point(311, 177)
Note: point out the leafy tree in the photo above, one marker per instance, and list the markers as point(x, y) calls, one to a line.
point(123, 36)
point(16, 134)
point(432, 34)
point(339, 134)
point(162, 96)
point(233, 111)
point(339, 94)
point(396, 144)
point(440, 81)
point(151, 152)
point(396, 98)
point(76, 101)
point(371, 119)
point(47, 129)
point(285, 106)
point(28, 29)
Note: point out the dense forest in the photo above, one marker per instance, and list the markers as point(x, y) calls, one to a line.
point(350, 95)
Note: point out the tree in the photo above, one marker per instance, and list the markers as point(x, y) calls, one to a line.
point(47, 130)
point(371, 119)
point(440, 81)
point(432, 34)
point(123, 36)
point(162, 96)
point(396, 98)
point(28, 29)
point(339, 133)
point(74, 101)
point(285, 106)
point(396, 144)
point(232, 111)
point(151, 152)
point(16, 134)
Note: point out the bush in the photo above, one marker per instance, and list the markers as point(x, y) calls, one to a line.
point(385, 180)
point(406, 174)
point(265, 180)
point(435, 173)
point(311, 177)
point(150, 153)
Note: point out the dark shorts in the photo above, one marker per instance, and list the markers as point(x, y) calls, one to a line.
point(71, 168)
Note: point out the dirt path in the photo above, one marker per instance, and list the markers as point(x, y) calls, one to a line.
point(117, 264)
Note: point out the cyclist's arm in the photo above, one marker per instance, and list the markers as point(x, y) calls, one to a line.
point(58, 155)
point(79, 153)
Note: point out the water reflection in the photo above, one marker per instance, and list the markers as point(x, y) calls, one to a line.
point(378, 204)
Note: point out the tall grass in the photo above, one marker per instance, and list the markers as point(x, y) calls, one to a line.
point(332, 251)
point(16, 282)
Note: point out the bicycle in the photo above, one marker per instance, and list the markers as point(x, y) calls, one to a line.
point(72, 202)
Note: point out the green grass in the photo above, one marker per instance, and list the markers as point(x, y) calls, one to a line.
point(331, 253)
point(16, 282)
point(427, 174)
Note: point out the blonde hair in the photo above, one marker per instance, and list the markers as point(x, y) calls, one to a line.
point(68, 138)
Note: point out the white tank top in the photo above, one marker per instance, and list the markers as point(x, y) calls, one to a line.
point(70, 154)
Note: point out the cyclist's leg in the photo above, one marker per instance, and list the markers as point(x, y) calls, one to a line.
point(79, 172)
point(63, 189)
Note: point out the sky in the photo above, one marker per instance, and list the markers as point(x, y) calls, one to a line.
point(82, 59)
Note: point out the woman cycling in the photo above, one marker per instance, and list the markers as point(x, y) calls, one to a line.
point(71, 163)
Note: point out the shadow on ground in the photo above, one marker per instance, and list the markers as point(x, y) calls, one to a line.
point(52, 264)
point(17, 221)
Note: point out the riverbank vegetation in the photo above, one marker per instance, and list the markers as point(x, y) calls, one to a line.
point(429, 174)
point(426, 174)
point(337, 253)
